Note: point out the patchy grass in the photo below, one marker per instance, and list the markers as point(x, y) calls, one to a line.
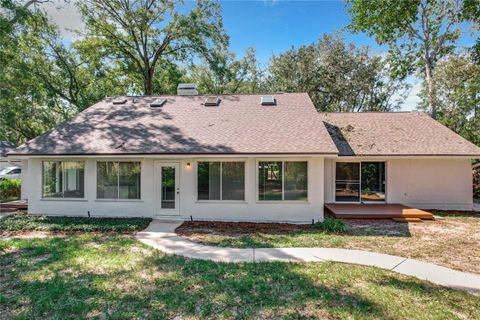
point(115, 277)
point(21, 222)
point(453, 241)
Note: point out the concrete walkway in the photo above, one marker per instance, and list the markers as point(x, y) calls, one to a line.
point(161, 235)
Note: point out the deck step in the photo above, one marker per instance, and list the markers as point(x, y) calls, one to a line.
point(407, 220)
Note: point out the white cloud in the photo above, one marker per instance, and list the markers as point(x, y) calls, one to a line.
point(66, 16)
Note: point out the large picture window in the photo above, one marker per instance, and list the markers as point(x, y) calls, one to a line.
point(221, 180)
point(63, 179)
point(118, 180)
point(282, 180)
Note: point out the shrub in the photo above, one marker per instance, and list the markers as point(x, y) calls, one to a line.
point(476, 183)
point(10, 189)
point(331, 225)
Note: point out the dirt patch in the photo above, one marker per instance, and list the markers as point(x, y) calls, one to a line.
point(215, 227)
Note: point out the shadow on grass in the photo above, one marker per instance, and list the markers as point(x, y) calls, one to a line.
point(116, 277)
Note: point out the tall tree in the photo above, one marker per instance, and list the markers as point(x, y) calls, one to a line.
point(458, 95)
point(471, 12)
point(226, 75)
point(418, 33)
point(338, 76)
point(142, 33)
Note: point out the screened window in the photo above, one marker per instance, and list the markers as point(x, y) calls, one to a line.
point(282, 180)
point(221, 180)
point(63, 179)
point(118, 180)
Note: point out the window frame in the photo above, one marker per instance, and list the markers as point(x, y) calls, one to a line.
point(42, 196)
point(221, 181)
point(140, 199)
point(257, 182)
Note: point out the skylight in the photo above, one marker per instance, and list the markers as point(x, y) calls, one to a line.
point(158, 102)
point(212, 101)
point(119, 101)
point(268, 101)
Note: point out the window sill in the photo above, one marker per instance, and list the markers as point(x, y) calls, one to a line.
point(119, 200)
point(282, 202)
point(222, 201)
point(64, 199)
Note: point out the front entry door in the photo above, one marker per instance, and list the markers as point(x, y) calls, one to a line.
point(168, 188)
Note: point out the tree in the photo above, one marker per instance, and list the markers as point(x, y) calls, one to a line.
point(142, 34)
point(471, 12)
point(226, 75)
point(43, 82)
point(458, 95)
point(337, 76)
point(418, 33)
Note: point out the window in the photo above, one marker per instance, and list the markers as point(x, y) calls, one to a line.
point(360, 181)
point(118, 180)
point(278, 180)
point(221, 180)
point(63, 179)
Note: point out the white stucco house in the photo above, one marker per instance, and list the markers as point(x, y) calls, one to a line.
point(241, 158)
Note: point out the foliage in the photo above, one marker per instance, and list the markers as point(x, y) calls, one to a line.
point(457, 81)
point(338, 76)
point(476, 183)
point(226, 75)
point(331, 225)
point(10, 189)
point(140, 35)
point(24, 222)
point(43, 82)
point(104, 276)
point(418, 33)
point(471, 12)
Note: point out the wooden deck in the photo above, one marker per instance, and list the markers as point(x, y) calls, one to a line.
point(12, 206)
point(375, 211)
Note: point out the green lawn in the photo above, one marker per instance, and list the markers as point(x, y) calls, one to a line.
point(115, 277)
point(453, 242)
point(21, 222)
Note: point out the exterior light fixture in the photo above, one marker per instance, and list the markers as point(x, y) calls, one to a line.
point(188, 164)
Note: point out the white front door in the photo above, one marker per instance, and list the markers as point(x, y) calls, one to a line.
point(167, 188)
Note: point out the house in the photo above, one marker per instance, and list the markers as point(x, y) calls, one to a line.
point(241, 158)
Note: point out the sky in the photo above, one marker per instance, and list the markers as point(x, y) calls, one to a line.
point(271, 26)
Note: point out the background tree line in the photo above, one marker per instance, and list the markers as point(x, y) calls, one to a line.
point(147, 47)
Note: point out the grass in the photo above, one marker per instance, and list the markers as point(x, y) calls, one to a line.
point(115, 277)
point(21, 222)
point(453, 242)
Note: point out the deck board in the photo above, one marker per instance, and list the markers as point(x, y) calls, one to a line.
point(375, 211)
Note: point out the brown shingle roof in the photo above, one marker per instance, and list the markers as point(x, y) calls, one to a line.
point(240, 124)
point(394, 134)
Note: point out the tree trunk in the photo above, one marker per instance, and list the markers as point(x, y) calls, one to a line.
point(148, 82)
point(432, 109)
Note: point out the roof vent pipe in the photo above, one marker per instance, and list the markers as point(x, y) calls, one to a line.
point(187, 89)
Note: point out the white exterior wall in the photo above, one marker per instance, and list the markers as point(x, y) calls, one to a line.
point(249, 210)
point(426, 183)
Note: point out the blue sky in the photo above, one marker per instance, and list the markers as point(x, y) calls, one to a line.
point(271, 26)
point(274, 26)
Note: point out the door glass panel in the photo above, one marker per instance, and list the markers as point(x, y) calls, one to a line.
point(373, 181)
point(168, 187)
point(347, 182)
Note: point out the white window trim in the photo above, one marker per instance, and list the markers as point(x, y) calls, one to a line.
point(359, 161)
point(118, 199)
point(84, 198)
point(195, 182)
point(257, 193)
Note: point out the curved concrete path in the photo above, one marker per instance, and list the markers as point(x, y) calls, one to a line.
point(161, 235)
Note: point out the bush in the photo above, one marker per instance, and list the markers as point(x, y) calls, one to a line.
point(476, 183)
point(10, 189)
point(331, 225)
